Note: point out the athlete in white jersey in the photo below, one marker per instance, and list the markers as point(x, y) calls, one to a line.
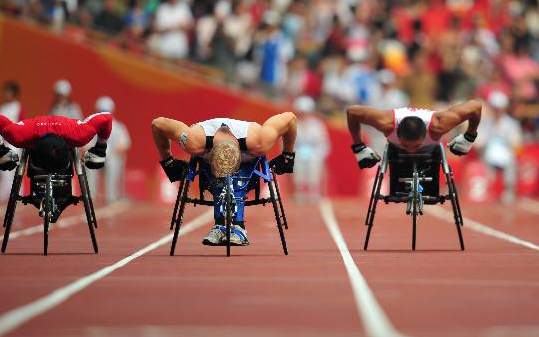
point(412, 129)
point(223, 141)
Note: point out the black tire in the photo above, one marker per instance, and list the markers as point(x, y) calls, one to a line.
point(277, 218)
point(47, 213)
point(177, 203)
point(372, 205)
point(89, 194)
point(228, 215)
point(179, 218)
point(283, 215)
point(10, 210)
point(456, 208)
point(86, 200)
point(415, 206)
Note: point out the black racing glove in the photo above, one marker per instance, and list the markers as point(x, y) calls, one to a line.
point(174, 168)
point(94, 158)
point(366, 157)
point(8, 158)
point(284, 163)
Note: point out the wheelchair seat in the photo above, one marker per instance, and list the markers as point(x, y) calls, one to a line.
point(248, 178)
point(414, 179)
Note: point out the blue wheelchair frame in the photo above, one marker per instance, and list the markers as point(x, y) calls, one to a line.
point(229, 195)
point(50, 194)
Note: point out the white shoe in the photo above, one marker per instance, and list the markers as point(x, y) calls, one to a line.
point(216, 236)
point(238, 236)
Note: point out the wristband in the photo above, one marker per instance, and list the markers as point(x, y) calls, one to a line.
point(469, 137)
point(357, 148)
point(289, 155)
point(167, 161)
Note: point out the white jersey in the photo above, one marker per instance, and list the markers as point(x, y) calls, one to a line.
point(237, 128)
point(401, 113)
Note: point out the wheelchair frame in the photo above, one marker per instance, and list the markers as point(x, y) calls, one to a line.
point(235, 190)
point(49, 207)
point(415, 198)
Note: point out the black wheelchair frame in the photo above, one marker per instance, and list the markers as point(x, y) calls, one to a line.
point(413, 196)
point(50, 194)
point(261, 170)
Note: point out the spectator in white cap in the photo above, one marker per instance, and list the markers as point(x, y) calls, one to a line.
point(118, 145)
point(62, 104)
point(500, 140)
point(11, 108)
point(312, 149)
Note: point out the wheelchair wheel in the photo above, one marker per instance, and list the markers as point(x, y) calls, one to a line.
point(228, 215)
point(10, 210)
point(277, 217)
point(415, 207)
point(376, 187)
point(88, 206)
point(456, 207)
point(179, 218)
point(47, 213)
point(283, 215)
point(89, 196)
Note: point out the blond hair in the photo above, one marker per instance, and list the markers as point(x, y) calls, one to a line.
point(225, 158)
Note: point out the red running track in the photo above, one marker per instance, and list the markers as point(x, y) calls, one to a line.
point(491, 289)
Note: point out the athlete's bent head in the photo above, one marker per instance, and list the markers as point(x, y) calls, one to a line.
point(51, 153)
point(225, 158)
point(411, 132)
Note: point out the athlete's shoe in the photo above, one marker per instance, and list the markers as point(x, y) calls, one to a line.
point(216, 236)
point(238, 236)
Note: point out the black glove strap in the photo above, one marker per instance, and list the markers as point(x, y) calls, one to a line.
point(357, 148)
point(289, 155)
point(166, 162)
point(469, 137)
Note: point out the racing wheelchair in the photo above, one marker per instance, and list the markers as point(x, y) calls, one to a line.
point(51, 194)
point(415, 180)
point(229, 195)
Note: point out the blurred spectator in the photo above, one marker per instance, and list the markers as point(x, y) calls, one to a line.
point(421, 84)
point(441, 52)
point(108, 20)
point(312, 149)
point(62, 104)
point(391, 97)
point(173, 21)
point(11, 108)
point(117, 147)
point(274, 51)
point(500, 140)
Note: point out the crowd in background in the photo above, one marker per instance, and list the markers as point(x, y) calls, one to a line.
point(384, 53)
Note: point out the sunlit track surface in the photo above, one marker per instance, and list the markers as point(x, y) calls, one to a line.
point(490, 289)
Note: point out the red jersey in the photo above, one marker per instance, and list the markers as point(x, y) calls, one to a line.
point(77, 133)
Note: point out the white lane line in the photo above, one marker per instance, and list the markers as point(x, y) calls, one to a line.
point(446, 215)
point(375, 321)
point(18, 316)
point(101, 213)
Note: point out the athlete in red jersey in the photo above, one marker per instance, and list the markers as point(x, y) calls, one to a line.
point(50, 138)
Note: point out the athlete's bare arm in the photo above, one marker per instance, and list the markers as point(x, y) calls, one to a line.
point(261, 138)
point(165, 129)
point(445, 121)
point(382, 120)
